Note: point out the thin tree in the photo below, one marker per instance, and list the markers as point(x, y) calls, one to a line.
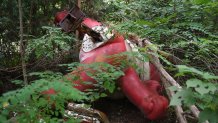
point(78, 2)
point(22, 47)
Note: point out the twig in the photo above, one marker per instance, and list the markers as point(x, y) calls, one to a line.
point(178, 109)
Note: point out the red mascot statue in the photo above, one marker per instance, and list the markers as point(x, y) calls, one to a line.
point(98, 43)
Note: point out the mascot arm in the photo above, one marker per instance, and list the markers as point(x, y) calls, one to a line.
point(146, 99)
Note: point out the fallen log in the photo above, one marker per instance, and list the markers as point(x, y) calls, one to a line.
point(88, 115)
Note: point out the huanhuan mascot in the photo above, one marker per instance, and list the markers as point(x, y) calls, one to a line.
point(98, 43)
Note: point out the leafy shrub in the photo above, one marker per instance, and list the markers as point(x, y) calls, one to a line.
point(187, 29)
point(29, 104)
point(200, 91)
point(49, 45)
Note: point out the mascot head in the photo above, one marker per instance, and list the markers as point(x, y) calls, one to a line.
point(60, 16)
point(69, 20)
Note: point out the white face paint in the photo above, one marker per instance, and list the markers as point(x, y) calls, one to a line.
point(88, 42)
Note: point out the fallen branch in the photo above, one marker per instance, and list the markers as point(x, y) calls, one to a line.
point(166, 78)
point(178, 109)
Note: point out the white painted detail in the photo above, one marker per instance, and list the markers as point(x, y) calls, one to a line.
point(88, 42)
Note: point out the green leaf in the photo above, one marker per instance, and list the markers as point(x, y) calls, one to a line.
point(103, 95)
point(206, 88)
point(209, 115)
point(17, 82)
point(201, 87)
point(207, 75)
point(174, 88)
point(201, 1)
point(196, 83)
point(144, 22)
point(110, 86)
point(186, 69)
point(181, 97)
point(3, 118)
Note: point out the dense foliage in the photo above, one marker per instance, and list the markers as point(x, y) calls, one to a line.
point(186, 29)
point(33, 103)
point(30, 104)
point(200, 90)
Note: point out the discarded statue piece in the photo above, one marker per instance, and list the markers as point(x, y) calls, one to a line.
point(98, 43)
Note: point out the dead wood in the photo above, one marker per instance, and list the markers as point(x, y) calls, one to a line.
point(169, 81)
point(79, 111)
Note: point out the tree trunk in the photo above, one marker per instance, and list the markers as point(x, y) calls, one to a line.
point(79, 3)
point(22, 48)
point(77, 32)
point(30, 18)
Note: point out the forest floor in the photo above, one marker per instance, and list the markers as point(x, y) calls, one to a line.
point(123, 111)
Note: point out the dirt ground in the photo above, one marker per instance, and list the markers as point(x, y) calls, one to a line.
point(123, 111)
